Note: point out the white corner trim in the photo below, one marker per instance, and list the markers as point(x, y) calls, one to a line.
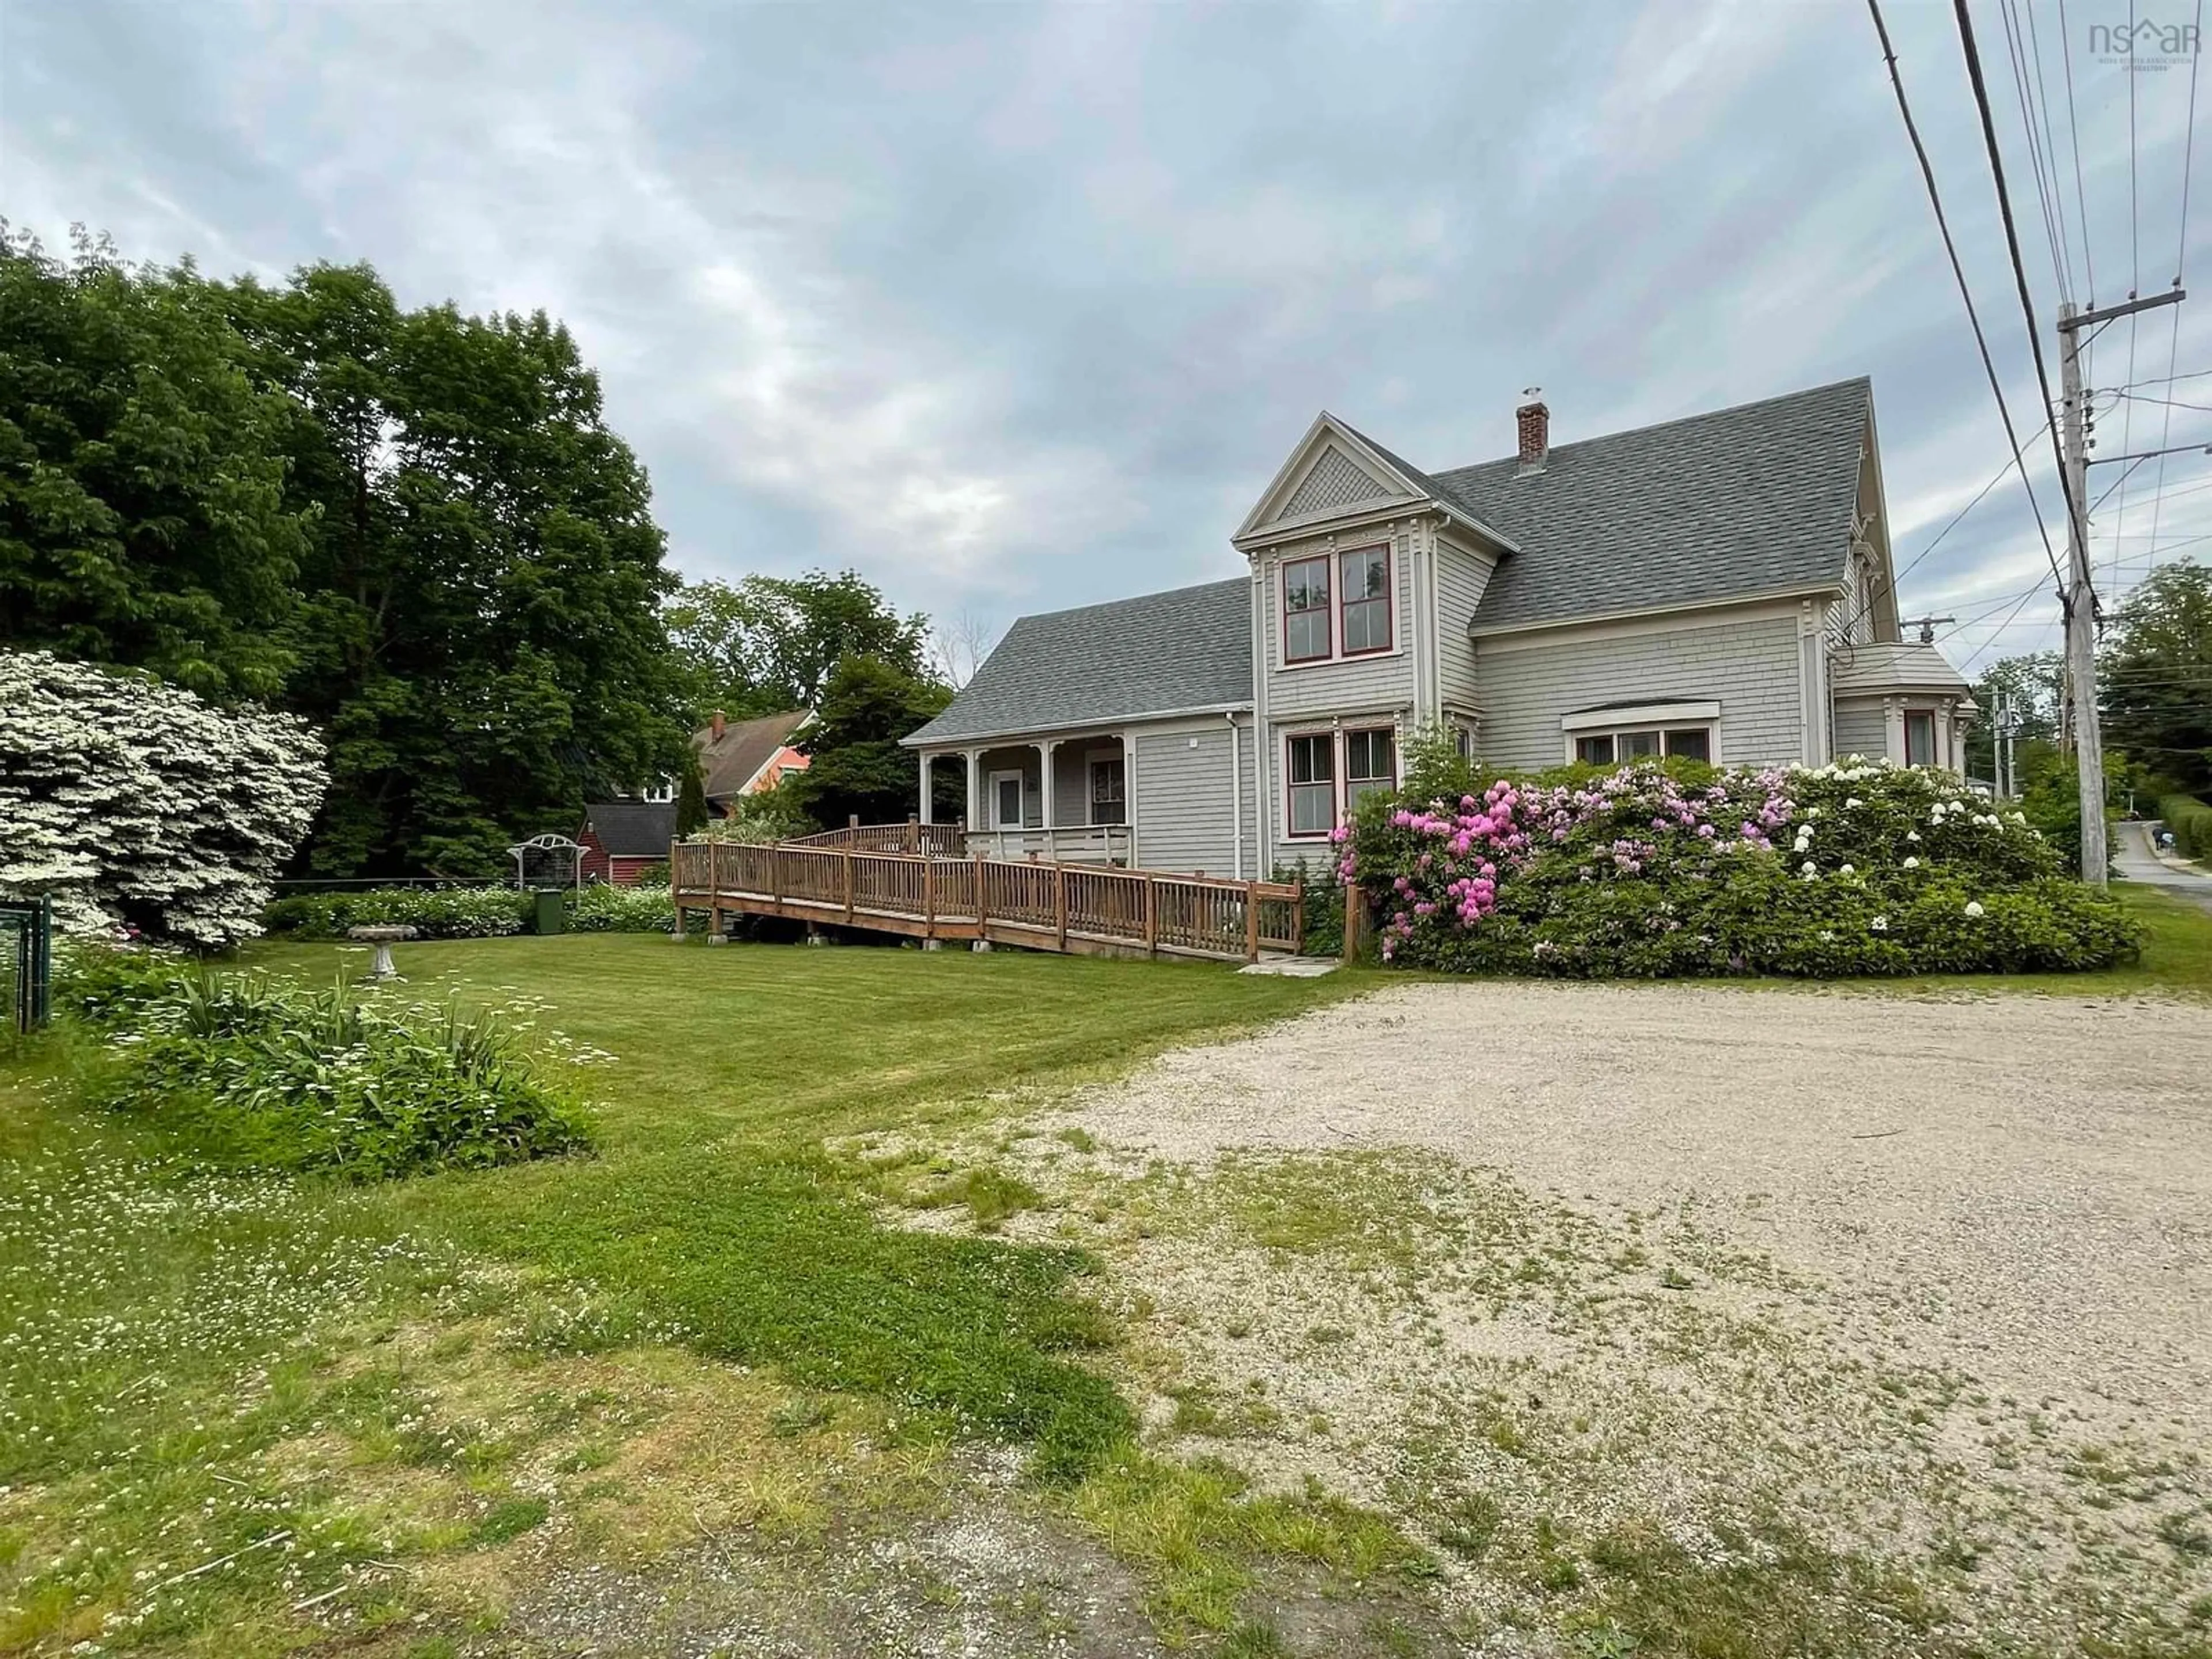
point(1643, 713)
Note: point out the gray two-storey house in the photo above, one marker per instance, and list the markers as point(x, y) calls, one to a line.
point(1719, 586)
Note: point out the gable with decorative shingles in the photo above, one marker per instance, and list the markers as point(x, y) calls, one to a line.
point(1336, 480)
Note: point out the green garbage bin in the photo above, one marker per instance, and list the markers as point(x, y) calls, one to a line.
point(552, 911)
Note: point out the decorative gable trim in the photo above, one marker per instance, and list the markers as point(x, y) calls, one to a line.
point(1290, 505)
point(1331, 469)
point(1336, 480)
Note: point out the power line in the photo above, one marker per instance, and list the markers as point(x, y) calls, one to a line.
point(1959, 272)
point(2074, 130)
point(2051, 144)
point(2019, 272)
point(2193, 374)
point(2017, 53)
point(2180, 268)
point(2170, 403)
point(1898, 580)
point(2134, 220)
point(2017, 607)
point(2189, 151)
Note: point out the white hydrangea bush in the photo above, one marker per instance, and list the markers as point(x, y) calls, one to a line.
point(133, 803)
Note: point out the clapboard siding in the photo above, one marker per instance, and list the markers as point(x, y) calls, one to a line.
point(1750, 667)
point(1381, 681)
point(1861, 728)
point(1184, 785)
point(1461, 578)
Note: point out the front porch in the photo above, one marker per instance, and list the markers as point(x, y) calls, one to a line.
point(1061, 800)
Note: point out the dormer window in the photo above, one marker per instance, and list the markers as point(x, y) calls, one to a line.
point(1366, 599)
point(1354, 622)
point(659, 792)
point(1306, 610)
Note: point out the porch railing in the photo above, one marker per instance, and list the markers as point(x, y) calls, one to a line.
point(1047, 906)
point(1069, 843)
point(938, 840)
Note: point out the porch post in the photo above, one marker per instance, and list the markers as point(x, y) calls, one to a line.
point(928, 761)
point(1045, 753)
point(974, 789)
point(1129, 794)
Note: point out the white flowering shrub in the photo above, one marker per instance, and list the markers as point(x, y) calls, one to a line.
point(136, 804)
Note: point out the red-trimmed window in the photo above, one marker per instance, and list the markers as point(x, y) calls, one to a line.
point(1312, 775)
point(1364, 581)
point(1306, 610)
point(1920, 736)
point(1371, 762)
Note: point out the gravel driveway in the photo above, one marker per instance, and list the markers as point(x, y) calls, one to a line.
point(1931, 1278)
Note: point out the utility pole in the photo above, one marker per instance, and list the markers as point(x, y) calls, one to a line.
point(2080, 607)
point(2081, 618)
point(2007, 723)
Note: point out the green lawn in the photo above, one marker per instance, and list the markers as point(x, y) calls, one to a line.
point(783, 1041)
point(238, 1416)
point(182, 1348)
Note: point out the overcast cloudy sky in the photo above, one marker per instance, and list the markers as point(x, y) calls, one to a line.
point(1014, 307)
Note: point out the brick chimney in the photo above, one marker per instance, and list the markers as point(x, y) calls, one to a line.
point(1533, 421)
point(719, 725)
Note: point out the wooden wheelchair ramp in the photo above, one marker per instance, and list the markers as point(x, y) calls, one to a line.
point(929, 895)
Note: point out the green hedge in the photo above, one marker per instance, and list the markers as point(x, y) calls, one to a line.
point(2191, 820)
point(467, 912)
point(639, 909)
point(432, 912)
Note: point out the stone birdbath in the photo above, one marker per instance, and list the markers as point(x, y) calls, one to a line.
point(383, 938)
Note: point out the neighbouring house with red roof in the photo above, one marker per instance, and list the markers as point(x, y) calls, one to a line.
point(743, 757)
point(623, 838)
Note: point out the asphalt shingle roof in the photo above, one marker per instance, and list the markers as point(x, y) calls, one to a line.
point(729, 762)
point(1190, 648)
point(1889, 666)
point(1747, 500)
point(632, 828)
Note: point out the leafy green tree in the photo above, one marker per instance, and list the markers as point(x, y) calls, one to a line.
point(480, 636)
point(691, 801)
point(145, 517)
point(2154, 675)
point(763, 644)
point(855, 763)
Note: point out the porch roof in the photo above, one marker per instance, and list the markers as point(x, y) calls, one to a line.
point(1186, 651)
point(1909, 665)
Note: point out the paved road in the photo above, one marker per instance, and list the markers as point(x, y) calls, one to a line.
point(2131, 852)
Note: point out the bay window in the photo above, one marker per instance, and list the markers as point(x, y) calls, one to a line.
point(1306, 610)
point(1354, 620)
point(1610, 748)
point(1312, 775)
point(1920, 736)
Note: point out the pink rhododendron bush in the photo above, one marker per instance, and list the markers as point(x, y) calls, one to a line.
point(1854, 868)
